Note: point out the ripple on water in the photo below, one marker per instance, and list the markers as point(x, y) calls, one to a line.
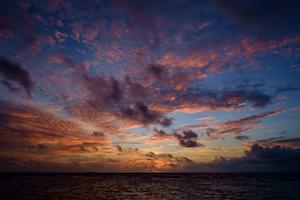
point(150, 186)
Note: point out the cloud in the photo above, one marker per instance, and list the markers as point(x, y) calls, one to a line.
point(122, 98)
point(119, 148)
point(24, 126)
point(242, 137)
point(197, 100)
point(157, 71)
point(233, 127)
point(167, 162)
point(140, 112)
point(236, 127)
point(126, 150)
point(98, 134)
point(161, 135)
point(143, 15)
point(144, 162)
point(145, 100)
point(206, 118)
point(13, 72)
point(271, 18)
point(257, 159)
point(186, 138)
point(30, 122)
point(286, 88)
point(150, 60)
point(280, 141)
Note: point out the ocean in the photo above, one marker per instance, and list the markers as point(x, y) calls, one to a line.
point(150, 186)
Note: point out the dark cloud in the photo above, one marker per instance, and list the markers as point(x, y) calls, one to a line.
point(271, 18)
point(226, 99)
point(280, 141)
point(169, 161)
point(188, 139)
point(160, 132)
point(106, 90)
point(140, 112)
point(257, 159)
point(271, 139)
point(119, 148)
point(147, 101)
point(15, 73)
point(278, 158)
point(286, 88)
point(99, 134)
point(142, 14)
point(158, 71)
point(257, 98)
point(42, 147)
point(126, 150)
point(9, 85)
point(122, 98)
point(116, 92)
point(242, 137)
point(135, 89)
point(14, 19)
point(161, 135)
point(282, 132)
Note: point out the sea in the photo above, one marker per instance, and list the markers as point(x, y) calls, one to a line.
point(154, 186)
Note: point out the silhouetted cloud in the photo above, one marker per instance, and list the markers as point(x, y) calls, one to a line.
point(188, 139)
point(193, 100)
point(242, 137)
point(280, 141)
point(257, 159)
point(119, 148)
point(122, 98)
point(99, 134)
point(257, 98)
point(168, 162)
point(161, 135)
point(15, 73)
point(126, 150)
point(141, 113)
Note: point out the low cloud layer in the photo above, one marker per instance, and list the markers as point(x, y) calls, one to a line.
point(262, 159)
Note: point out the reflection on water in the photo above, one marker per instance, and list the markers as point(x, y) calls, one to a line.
point(150, 186)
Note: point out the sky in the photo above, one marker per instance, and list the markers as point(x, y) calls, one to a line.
point(149, 86)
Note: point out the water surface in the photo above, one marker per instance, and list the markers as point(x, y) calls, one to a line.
point(150, 186)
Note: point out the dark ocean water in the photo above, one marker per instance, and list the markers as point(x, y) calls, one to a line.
point(149, 186)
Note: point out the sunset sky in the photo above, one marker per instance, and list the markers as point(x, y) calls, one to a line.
point(149, 86)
